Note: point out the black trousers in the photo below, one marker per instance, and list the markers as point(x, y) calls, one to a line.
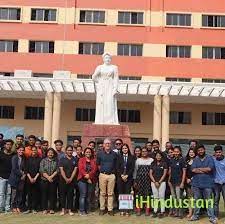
point(66, 194)
point(124, 187)
point(33, 195)
point(48, 194)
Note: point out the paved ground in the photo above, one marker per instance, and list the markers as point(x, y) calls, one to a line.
point(93, 219)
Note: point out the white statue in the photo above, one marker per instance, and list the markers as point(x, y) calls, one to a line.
point(106, 79)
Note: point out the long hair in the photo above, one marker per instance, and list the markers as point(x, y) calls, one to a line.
point(129, 153)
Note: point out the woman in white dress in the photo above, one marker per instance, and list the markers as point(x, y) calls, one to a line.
point(106, 81)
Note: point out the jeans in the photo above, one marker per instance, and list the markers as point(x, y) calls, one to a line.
point(177, 194)
point(5, 195)
point(218, 188)
point(206, 194)
point(159, 194)
point(85, 190)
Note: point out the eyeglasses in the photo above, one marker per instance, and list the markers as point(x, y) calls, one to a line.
point(118, 143)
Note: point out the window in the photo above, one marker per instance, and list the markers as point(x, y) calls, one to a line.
point(6, 74)
point(8, 46)
point(129, 49)
point(10, 13)
point(34, 113)
point(133, 116)
point(213, 21)
point(41, 47)
point(178, 19)
point(43, 14)
point(213, 52)
point(178, 51)
point(91, 48)
point(42, 75)
point(129, 77)
point(211, 118)
point(178, 79)
point(83, 76)
point(7, 112)
point(92, 16)
point(180, 117)
point(214, 80)
point(85, 114)
point(130, 17)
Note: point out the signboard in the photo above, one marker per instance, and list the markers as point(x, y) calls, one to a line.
point(126, 202)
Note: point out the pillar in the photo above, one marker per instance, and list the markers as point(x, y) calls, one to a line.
point(165, 119)
point(48, 117)
point(157, 118)
point(56, 116)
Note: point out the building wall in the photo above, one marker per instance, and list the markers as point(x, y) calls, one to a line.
point(139, 130)
point(67, 32)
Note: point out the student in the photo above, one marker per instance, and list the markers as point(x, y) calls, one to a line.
point(31, 143)
point(176, 181)
point(48, 171)
point(125, 169)
point(6, 155)
point(68, 170)
point(203, 182)
point(44, 148)
point(189, 160)
point(137, 152)
point(142, 182)
point(118, 145)
point(17, 179)
point(219, 177)
point(1, 141)
point(33, 184)
point(19, 141)
point(158, 172)
point(59, 149)
point(87, 178)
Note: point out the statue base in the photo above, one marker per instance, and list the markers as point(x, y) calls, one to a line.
point(98, 132)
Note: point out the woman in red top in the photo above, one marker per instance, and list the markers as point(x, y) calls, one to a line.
point(86, 179)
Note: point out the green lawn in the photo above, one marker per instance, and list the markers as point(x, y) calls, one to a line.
point(93, 218)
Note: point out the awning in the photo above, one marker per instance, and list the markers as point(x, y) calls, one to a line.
point(132, 87)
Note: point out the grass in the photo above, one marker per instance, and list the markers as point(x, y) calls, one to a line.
point(92, 218)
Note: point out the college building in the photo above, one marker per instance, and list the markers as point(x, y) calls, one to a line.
point(169, 53)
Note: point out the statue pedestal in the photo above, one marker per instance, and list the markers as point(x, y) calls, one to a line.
point(97, 132)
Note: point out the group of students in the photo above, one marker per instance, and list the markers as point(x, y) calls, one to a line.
point(35, 177)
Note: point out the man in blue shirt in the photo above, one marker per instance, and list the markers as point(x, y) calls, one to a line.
point(106, 161)
point(219, 176)
point(203, 183)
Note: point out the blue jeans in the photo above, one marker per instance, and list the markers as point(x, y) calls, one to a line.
point(218, 188)
point(5, 195)
point(206, 194)
point(85, 194)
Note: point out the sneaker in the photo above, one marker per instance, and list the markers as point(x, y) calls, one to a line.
point(192, 219)
point(45, 212)
point(71, 213)
point(51, 212)
point(102, 212)
point(83, 214)
point(160, 215)
point(27, 212)
point(213, 221)
point(111, 213)
point(34, 212)
point(154, 215)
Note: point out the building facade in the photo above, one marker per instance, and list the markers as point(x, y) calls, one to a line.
point(163, 41)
